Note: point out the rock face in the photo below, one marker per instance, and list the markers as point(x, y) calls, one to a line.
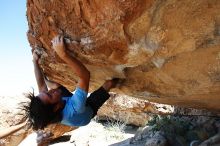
point(168, 51)
point(131, 110)
point(179, 130)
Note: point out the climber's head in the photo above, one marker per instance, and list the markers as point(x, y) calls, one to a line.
point(46, 107)
point(52, 96)
point(41, 110)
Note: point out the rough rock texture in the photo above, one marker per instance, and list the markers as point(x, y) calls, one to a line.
point(180, 130)
point(131, 110)
point(168, 51)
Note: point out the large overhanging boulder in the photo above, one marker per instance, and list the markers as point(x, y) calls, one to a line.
point(168, 51)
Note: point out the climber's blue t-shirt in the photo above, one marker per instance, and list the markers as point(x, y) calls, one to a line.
point(75, 112)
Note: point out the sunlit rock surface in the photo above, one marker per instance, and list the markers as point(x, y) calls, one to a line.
point(168, 51)
point(130, 110)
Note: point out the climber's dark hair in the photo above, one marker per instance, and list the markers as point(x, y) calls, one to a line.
point(39, 115)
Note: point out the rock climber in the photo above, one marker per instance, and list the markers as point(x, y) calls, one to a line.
point(55, 104)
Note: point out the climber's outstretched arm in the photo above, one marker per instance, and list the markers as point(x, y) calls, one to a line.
point(43, 83)
point(78, 68)
point(39, 76)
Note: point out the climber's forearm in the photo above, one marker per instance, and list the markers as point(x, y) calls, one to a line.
point(81, 71)
point(39, 77)
point(78, 68)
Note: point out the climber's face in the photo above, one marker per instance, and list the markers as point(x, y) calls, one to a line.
point(50, 97)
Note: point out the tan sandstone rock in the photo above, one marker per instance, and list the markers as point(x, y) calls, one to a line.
point(168, 51)
point(131, 110)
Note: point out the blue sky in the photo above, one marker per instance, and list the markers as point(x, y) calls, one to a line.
point(16, 74)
